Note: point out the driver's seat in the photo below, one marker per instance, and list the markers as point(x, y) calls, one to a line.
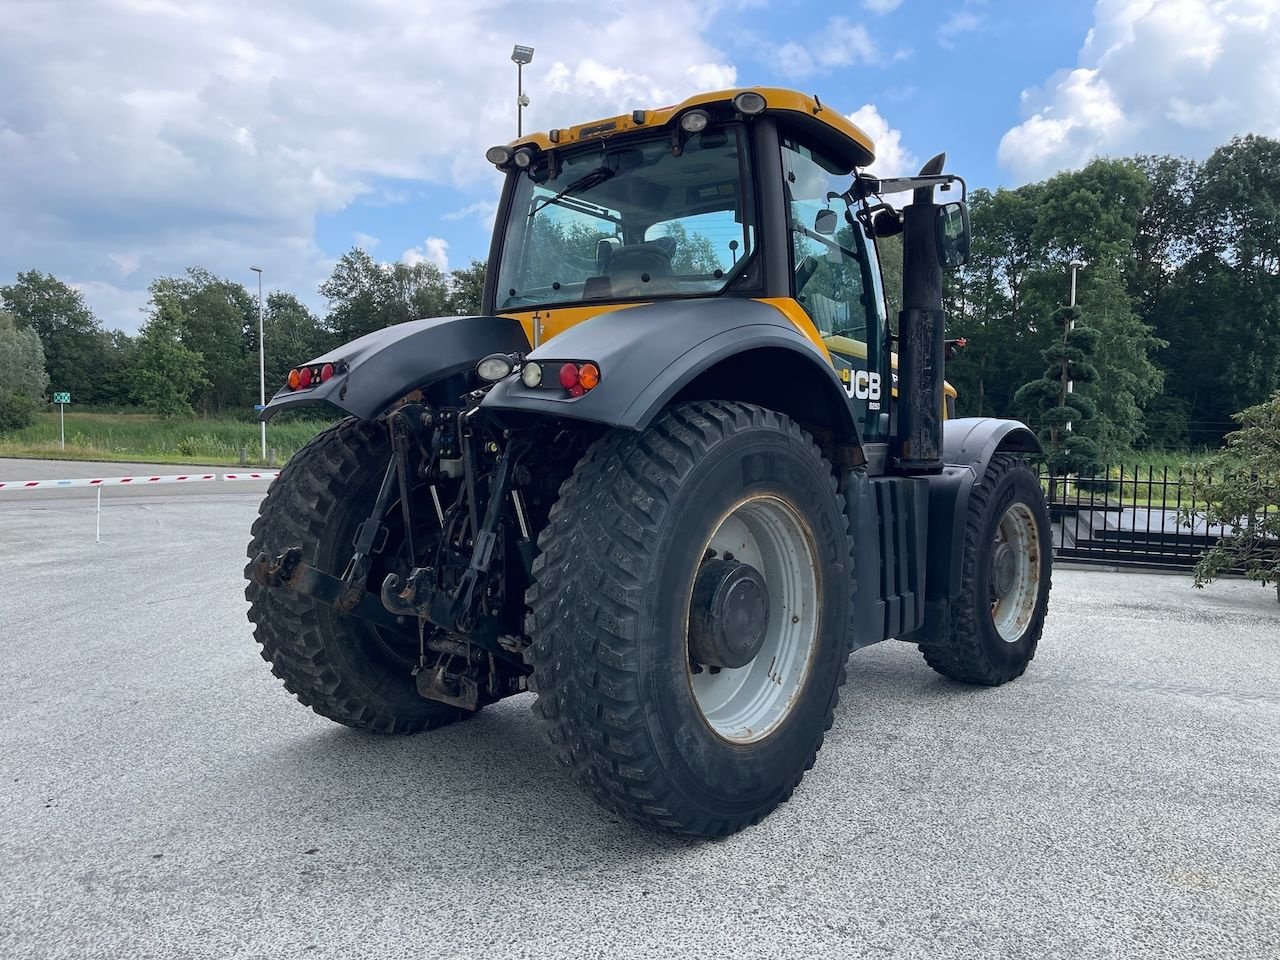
point(631, 267)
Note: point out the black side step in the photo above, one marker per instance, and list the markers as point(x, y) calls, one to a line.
point(889, 517)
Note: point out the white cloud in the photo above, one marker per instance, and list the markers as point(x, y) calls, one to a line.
point(365, 241)
point(964, 20)
point(839, 44)
point(1154, 76)
point(433, 250)
point(483, 210)
point(138, 137)
point(892, 158)
point(881, 7)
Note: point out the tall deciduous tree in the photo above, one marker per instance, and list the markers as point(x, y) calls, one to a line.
point(365, 295)
point(166, 373)
point(466, 288)
point(1221, 312)
point(1005, 333)
point(293, 336)
point(23, 381)
point(74, 342)
point(22, 366)
point(220, 323)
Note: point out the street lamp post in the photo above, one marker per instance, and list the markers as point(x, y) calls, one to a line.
point(1075, 265)
point(1071, 323)
point(520, 56)
point(262, 364)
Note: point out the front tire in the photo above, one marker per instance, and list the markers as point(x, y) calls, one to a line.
point(342, 667)
point(670, 715)
point(1006, 570)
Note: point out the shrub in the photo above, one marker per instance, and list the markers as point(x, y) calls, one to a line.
point(1241, 488)
point(17, 410)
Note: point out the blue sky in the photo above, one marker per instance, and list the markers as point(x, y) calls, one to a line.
point(950, 81)
point(138, 137)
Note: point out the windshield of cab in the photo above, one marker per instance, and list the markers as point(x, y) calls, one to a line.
point(632, 220)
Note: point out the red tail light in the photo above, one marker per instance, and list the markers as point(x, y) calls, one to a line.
point(326, 372)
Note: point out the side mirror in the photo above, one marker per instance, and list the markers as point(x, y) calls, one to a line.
point(953, 235)
point(826, 222)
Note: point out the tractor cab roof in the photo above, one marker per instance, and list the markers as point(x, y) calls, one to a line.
point(842, 140)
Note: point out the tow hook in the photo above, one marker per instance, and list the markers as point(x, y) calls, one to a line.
point(278, 572)
point(288, 572)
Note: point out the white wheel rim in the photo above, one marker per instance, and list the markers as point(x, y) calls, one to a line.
point(1012, 612)
point(746, 704)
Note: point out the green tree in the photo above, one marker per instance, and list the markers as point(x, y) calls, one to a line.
point(1240, 488)
point(1128, 377)
point(999, 312)
point(293, 335)
point(1220, 310)
point(220, 323)
point(365, 295)
point(355, 294)
point(23, 380)
point(166, 373)
point(1166, 232)
point(415, 291)
point(466, 289)
point(22, 366)
point(1060, 413)
point(73, 340)
point(117, 381)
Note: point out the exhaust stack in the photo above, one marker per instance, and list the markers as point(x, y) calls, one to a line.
point(917, 443)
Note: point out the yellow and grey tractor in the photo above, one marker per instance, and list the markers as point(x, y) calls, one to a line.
point(681, 466)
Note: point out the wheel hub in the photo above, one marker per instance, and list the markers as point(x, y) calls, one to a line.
point(1004, 570)
point(729, 614)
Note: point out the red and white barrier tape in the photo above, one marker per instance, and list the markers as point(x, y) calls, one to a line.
point(131, 481)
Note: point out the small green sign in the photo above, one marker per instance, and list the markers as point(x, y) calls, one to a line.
point(62, 398)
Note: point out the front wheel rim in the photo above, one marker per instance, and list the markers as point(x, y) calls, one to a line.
point(1013, 602)
point(746, 704)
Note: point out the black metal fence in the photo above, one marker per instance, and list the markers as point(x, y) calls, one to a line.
point(1130, 516)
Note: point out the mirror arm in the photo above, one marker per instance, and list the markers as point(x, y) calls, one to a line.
point(867, 186)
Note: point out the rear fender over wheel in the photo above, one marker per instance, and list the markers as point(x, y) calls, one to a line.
point(690, 616)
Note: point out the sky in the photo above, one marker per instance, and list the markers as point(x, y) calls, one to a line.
point(140, 137)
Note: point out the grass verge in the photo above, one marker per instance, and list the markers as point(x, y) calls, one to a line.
point(127, 437)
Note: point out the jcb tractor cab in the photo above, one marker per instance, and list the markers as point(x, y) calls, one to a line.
point(666, 480)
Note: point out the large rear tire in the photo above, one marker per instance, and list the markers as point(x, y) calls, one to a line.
point(997, 619)
point(342, 667)
point(690, 616)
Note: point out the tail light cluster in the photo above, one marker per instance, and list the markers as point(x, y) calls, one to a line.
point(577, 378)
point(302, 377)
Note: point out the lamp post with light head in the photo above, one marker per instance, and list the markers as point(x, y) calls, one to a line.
point(520, 56)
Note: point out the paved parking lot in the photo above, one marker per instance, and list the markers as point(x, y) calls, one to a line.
point(163, 796)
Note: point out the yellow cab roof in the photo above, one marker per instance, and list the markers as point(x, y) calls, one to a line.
point(842, 139)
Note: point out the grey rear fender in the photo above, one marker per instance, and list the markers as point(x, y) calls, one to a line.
point(726, 348)
point(373, 371)
point(973, 441)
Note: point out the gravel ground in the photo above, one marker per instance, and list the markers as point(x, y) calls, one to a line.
point(162, 796)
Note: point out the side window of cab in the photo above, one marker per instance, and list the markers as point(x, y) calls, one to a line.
point(836, 280)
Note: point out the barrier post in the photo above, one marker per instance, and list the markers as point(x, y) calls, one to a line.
point(97, 536)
